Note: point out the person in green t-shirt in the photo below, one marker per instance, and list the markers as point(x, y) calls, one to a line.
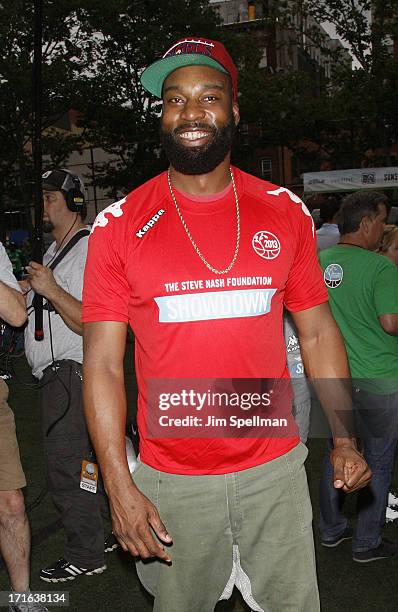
point(363, 296)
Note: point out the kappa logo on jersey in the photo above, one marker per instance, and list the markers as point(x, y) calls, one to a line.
point(266, 245)
point(333, 276)
point(150, 223)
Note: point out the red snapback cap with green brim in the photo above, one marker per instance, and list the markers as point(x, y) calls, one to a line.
point(190, 52)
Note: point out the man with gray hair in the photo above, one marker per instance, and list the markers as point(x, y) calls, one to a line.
point(363, 295)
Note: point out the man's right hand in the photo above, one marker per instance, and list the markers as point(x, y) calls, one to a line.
point(133, 518)
point(136, 521)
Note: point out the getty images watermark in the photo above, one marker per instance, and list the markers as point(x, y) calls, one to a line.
point(262, 408)
point(197, 401)
point(208, 408)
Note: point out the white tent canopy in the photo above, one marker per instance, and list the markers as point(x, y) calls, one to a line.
point(348, 180)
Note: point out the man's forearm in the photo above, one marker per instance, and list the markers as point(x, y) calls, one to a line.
point(105, 399)
point(325, 361)
point(326, 365)
point(330, 376)
point(135, 520)
point(68, 307)
point(12, 305)
point(105, 409)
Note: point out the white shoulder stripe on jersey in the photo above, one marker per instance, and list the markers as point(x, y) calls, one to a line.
point(115, 210)
point(294, 198)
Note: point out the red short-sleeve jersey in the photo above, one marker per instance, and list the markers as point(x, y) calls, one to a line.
point(191, 323)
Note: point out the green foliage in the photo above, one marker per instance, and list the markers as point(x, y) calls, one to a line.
point(95, 50)
point(364, 101)
point(93, 53)
point(16, 91)
point(118, 115)
point(353, 112)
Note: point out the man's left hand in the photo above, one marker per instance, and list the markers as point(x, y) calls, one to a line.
point(41, 279)
point(350, 470)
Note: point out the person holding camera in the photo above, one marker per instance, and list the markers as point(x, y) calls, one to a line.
point(56, 361)
point(14, 526)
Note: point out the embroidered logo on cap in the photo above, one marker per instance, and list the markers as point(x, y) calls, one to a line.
point(191, 46)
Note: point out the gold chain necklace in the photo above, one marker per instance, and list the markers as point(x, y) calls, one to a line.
point(195, 246)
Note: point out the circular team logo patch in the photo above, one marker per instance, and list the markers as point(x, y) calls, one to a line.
point(266, 245)
point(333, 276)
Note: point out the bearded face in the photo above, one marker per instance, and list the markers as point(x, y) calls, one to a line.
point(47, 227)
point(198, 119)
point(202, 158)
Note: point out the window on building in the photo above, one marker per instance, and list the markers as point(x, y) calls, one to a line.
point(264, 60)
point(266, 168)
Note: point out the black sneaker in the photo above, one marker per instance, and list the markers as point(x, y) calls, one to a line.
point(62, 571)
point(110, 543)
point(385, 550)
point(346, 535)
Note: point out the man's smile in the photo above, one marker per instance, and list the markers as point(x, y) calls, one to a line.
point(194, 135)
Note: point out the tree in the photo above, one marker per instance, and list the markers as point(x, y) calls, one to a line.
point(351, 118)
point(119, 39)
point(94, 52)
point(93, 55)
point(16, 97)
point(363, 100)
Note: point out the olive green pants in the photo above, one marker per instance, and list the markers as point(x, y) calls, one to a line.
point(252, 529)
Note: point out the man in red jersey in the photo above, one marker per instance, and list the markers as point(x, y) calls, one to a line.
point(200, 261)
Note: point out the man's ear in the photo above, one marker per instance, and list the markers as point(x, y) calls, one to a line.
point(365, 224)
point(235, 112)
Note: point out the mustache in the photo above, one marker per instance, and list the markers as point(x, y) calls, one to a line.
point(197, 125)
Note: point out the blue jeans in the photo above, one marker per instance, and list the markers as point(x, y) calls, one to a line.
point(378, 414)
